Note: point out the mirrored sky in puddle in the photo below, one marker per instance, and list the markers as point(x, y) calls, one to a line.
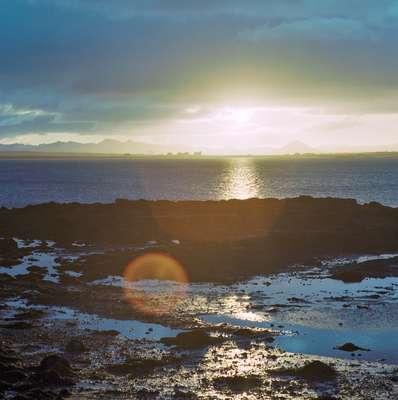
point(311, 313)
point(314, 315)
point(131, 329)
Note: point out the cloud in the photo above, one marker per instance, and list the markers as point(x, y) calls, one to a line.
point(14, 122)
point(95, 66)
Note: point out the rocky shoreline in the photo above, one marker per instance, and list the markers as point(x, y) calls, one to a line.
point(219, 240)
point(67, 329)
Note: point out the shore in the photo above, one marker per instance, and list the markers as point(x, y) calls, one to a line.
point(219, 240)
point(279, 299)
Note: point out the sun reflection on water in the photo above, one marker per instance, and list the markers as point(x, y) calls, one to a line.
point(240, 182)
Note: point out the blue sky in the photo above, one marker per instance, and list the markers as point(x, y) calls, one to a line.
point(202, 72)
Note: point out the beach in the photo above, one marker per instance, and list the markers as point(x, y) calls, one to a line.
point(276, 298)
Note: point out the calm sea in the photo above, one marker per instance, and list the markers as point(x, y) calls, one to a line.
point(27, 181)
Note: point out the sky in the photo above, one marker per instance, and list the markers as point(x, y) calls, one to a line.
point(209, 74)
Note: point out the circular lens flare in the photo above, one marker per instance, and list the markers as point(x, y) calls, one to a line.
point(155, 283)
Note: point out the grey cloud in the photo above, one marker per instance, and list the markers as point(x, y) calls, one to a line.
point(95, 63)
point(42, 124)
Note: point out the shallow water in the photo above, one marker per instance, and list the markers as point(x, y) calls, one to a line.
point(311, 313)
point(46, 261)
point(314, 315)
point(131, 329)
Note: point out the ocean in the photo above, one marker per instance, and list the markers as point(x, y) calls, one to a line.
point(32, 181)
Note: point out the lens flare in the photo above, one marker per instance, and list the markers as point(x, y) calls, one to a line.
point(155, 283)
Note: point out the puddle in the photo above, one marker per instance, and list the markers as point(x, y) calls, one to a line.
point(74, 274)
point(39, 259)
point(358, 259)
point(316, 314)
point(45, 260)
point(383, 343)
point(130, 329)
point(313, 313)
point(25, 244)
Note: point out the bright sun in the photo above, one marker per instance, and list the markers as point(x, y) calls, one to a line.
point(241, 115)
point(235, 115)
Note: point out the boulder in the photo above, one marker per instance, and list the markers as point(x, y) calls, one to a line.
point(191, 340)
point(75, 346)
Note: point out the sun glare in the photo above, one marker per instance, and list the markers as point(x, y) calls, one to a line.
point(169, 276)
point(240, 181)
point(241, 115)
point(236, 115)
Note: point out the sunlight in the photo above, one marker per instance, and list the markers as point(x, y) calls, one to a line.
point(241, 115)
point(235, 115)
point(241, 182)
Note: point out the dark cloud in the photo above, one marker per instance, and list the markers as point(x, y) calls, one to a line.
point(98, 62)
point(40, 124)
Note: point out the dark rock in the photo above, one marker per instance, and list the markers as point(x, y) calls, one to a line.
point(63, 393)
point(357, 272)
point(232, 239)
point(53, 370)
point(6, 277)
point(6, 358)
point(75, 346)
point(30, 314)
point(248, 332)
point(40, 394)
point(37, 269)
point(183, 395)
point(350, 347)
point(136, 367)
point(56, 363)
point(13, 376)
point(191, 340)
point(21, 397)
point(4, 386)
point(312, 371)
point(373, 296)
point(238, 383)
point(18, 325)
point(147, 393)
point(9, 248)
point(51, 378)
point(262, 334)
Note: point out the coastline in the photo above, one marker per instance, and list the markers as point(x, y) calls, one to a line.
point(219, 240)
point(264, 276)
point(131, 156)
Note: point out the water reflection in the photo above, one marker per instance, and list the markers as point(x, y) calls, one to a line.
point(240, 182)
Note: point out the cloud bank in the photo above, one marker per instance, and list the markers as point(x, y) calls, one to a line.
point(133, 67)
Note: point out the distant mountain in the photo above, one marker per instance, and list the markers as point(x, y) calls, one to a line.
point(107, 146)
point(296, 147)
point(111, 146)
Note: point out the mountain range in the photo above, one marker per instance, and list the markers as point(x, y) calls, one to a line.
point(111, 146)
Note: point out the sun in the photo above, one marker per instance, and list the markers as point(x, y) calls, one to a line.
point(241, 115)
point(235, 115)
